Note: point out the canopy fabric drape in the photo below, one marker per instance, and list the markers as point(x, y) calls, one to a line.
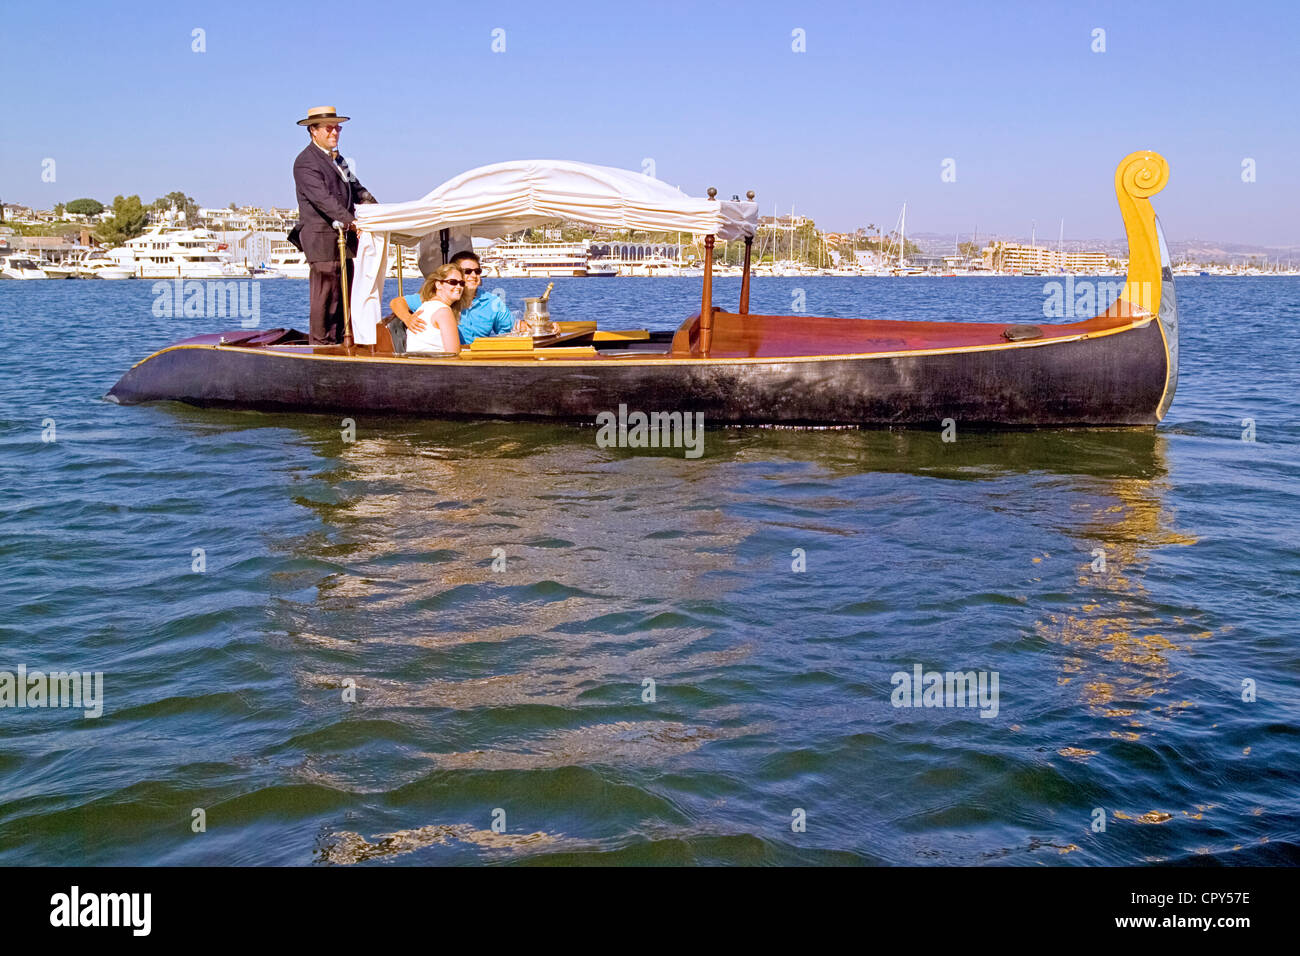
point(503, 198)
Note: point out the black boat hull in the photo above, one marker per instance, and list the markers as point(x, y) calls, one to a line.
point(1115, 379)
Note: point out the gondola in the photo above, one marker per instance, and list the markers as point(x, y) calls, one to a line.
point(1119, 368)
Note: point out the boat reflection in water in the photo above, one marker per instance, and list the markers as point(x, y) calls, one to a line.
point(621, 567)
point(1118, 641)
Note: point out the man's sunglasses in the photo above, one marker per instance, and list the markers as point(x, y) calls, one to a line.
point(472, 272)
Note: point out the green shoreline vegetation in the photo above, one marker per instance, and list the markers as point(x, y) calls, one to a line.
point(810, 247)
point(130, 218)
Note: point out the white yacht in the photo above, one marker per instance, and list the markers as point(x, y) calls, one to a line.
point(410, 261)
point(602, 268)
point(58, 270)
point(98, 265)
point(653, 265)
point(20, 267)
point(289, 262)
point(539, 259)
point(784, 267)
point(166, 252)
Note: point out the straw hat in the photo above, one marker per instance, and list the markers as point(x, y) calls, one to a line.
point(322, 114)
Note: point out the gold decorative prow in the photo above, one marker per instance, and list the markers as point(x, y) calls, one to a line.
point(1139, 177)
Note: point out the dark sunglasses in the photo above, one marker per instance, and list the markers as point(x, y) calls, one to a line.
point(452, 281)
point(472, 272)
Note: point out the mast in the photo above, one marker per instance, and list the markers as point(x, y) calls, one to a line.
point(902, 235)
point(776, 236)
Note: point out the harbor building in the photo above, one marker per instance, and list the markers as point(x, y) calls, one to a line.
point(1016, 257)
point(248, 219)
point(782, 223)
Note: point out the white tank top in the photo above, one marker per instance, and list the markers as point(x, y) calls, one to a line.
point(430, 340)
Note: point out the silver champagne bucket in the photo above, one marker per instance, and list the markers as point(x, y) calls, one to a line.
point(536, 316)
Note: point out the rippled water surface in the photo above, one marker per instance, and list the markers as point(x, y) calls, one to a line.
point(517, 697)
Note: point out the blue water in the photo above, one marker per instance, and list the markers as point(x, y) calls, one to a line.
point(364, 569)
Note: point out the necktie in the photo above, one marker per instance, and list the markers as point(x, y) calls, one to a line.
point(339, 165)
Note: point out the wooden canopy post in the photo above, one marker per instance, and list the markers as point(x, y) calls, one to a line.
point(399, 271)
point(744, 279)
point(706, 298)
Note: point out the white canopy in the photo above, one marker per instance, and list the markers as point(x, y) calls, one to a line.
point(494, 201)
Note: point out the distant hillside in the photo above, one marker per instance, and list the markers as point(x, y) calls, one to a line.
point(1194, 250)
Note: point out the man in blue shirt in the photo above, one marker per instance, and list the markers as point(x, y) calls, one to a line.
point(485, 315)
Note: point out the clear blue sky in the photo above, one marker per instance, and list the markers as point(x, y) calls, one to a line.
point(714, 94)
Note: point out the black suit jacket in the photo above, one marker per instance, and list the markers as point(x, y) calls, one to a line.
point(324, 197)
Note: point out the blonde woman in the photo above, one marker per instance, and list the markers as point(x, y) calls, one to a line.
point(441, 297)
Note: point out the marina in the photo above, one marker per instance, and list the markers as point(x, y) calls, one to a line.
point(220, 253)
point(252, 243)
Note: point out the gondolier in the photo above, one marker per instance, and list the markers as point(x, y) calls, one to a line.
point(327, 194)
